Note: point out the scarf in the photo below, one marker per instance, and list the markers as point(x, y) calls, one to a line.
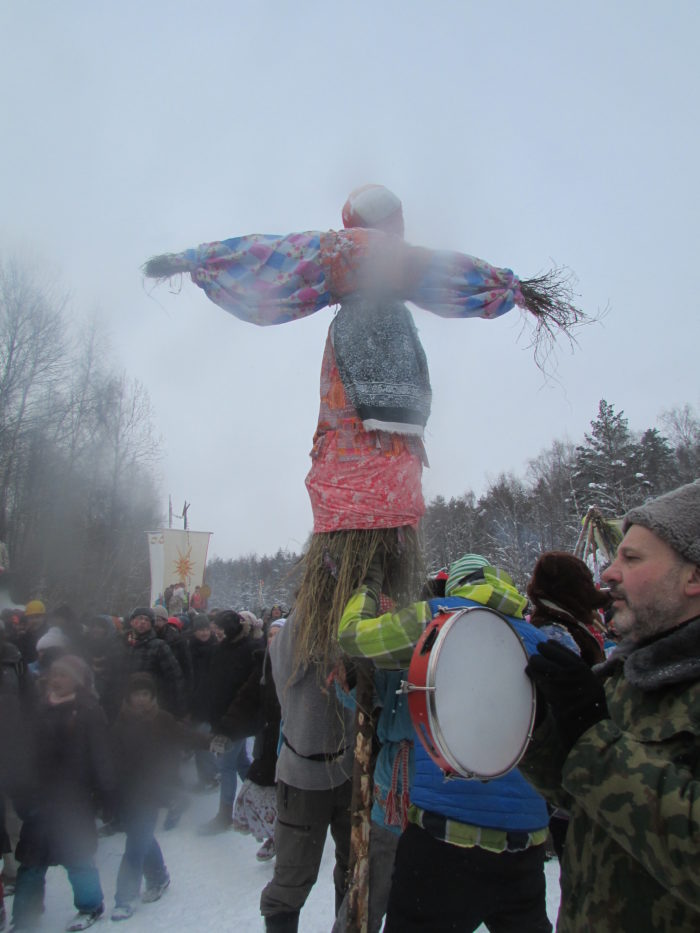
point(671, 657)
point(382, 365)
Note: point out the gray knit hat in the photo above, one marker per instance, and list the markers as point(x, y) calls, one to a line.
point(673, 517)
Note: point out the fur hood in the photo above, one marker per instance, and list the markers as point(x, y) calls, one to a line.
point(670, 658)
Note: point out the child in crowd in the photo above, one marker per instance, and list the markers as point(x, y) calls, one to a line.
point(147, 742)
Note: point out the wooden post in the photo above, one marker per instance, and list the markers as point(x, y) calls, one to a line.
point(361, 806)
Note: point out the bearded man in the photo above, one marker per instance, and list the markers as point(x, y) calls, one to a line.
point(619, 746)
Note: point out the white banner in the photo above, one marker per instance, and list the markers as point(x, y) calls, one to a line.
point(177, 556)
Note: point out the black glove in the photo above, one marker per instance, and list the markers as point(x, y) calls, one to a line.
point(574, 694)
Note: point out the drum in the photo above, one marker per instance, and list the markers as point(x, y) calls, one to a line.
point(471, 702)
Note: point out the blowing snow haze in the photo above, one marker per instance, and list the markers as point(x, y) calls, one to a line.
point(529, 137)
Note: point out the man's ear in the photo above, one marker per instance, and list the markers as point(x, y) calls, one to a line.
point(692, 586)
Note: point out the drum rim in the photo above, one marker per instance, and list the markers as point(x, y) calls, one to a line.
point(436, 731)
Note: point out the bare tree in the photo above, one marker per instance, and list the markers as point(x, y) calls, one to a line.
point(32, 360)
point(510, 540)
point(682, 427)
point(556, 514)
point(77, 454)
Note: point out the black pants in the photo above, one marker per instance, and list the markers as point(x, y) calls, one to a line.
point(441, 887)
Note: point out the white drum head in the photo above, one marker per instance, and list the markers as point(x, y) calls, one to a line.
point(483, 707)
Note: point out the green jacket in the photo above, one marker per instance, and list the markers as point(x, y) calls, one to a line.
point(632, 786)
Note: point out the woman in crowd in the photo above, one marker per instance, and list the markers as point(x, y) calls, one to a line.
point(256, 805)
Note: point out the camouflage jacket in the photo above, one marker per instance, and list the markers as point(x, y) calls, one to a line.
point(632, 786)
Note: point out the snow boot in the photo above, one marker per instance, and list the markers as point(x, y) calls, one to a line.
point(122, 912)
point(266, 851)
point(156, 891)
point(282, 923)
point(84, 919)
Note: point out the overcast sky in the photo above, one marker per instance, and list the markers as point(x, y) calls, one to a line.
point(523, 133)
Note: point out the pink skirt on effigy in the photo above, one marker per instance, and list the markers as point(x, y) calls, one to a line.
point(360, 479)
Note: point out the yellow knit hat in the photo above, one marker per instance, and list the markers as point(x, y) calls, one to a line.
point(35, 607)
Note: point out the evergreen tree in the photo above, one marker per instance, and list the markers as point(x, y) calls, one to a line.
point(606, 464)
point(657, 471)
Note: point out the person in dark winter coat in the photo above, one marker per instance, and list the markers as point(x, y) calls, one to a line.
point(147, 741)
point(72, 770)
point(104, 651)
point(565, 599)
point(148, 654)
point(231, 666)
point(202, 644)
point(166, 629)
point(565, 603)
point(13, 669)
point(256, 805)
point(33, 626)
point(14, 774)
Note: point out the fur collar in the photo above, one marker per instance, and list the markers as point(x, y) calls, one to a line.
point(670, 658)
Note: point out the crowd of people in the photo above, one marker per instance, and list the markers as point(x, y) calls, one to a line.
point(96, 717)
point(100, 712)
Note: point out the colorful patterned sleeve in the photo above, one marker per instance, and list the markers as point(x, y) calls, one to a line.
point(459, 286)
point(446, 283)
point(387, 639)
point(262, 279)
point(269, 279)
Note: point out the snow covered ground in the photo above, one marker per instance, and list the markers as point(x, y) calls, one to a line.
point(216, 884)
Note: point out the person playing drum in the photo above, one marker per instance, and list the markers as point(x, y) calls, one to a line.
point(473, 851)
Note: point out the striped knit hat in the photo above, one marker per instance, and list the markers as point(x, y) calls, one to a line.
point(462, 569)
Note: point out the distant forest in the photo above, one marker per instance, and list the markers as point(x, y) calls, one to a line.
point(517, 518)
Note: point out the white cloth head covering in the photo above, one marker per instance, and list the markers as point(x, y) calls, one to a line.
point(374, 206)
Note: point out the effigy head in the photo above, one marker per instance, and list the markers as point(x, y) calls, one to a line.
point(374, 207)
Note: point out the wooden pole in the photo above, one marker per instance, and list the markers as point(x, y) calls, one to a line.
point(361, 806)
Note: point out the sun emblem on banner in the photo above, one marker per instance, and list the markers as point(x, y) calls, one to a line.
point(184, 565)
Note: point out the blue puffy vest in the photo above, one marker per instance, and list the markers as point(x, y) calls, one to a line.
point(508, 803)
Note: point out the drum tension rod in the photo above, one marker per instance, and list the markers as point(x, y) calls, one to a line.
point(408, 687)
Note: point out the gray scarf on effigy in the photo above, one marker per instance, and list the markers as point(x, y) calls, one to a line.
point(382, 365)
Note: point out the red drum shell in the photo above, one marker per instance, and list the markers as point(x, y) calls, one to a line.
point(470, 700)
